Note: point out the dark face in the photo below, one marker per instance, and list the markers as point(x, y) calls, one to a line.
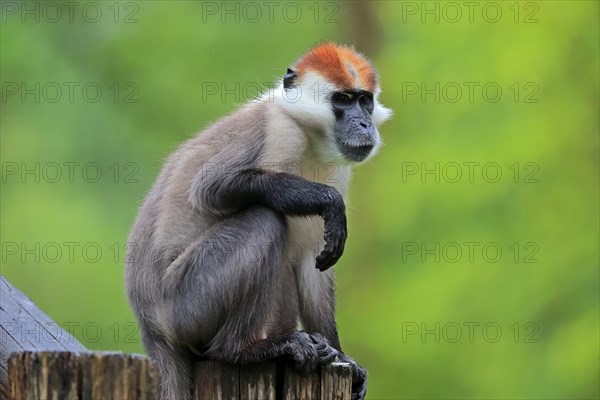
point(355, 132)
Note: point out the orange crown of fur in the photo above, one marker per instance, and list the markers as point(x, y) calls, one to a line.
point(341, 65)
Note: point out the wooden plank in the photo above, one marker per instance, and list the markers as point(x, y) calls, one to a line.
point(299, 387)
point(24, 327)
point(258, 381)
point(216, 381)
point(336, 382)
point(43, 375)
point(117, 376)
point(23, 322)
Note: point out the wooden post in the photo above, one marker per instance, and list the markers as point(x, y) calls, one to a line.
point(336, 382)
point(117, 376)
point(269, 381)
point(258, 381)
point(217, 381)
point(81, 376)
point(43, 375)
point(298, 387)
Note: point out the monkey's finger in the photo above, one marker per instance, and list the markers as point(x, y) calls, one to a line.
point(317, 338)
point(336, 253)
point(321, 262)
point(304, 356)
point(325, 260)
point(334, 247)
point(331, 258)
point(323, 257)
point(327, 355)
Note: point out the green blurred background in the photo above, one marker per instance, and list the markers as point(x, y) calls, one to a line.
point(457, 282)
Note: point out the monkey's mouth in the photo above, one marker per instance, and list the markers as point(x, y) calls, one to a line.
point(356, 153)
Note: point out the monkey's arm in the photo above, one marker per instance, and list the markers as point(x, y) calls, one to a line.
point(284, 193)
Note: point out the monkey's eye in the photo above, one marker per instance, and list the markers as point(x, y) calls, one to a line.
point(366, 101)
point(342, 99)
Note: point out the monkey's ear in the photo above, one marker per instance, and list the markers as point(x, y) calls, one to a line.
point(288, 78)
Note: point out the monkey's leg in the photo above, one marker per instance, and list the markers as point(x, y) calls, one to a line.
point(319, 316)
point(226, 288)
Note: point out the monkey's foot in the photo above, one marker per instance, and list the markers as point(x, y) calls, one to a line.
point(309, 350)
point(327, 354)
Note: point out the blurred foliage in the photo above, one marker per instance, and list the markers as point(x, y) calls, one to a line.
point(402, 302)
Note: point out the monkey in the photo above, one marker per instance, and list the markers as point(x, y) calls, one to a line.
point(209, 269)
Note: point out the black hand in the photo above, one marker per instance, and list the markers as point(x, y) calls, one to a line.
point(336, 232)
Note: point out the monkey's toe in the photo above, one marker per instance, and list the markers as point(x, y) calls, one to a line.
point(305, 364)
point(304, 353)
point(325, 351)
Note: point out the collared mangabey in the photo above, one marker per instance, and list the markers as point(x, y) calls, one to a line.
point(209, 269)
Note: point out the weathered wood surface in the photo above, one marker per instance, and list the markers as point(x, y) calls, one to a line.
point(298, 387)
point(336, 382)
point(24, 327)
point(43, 375)
point(258, 381)
point(269, 381)
point(217, 381)
point(81, 376)
point(99, 375)
point(117, 376)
